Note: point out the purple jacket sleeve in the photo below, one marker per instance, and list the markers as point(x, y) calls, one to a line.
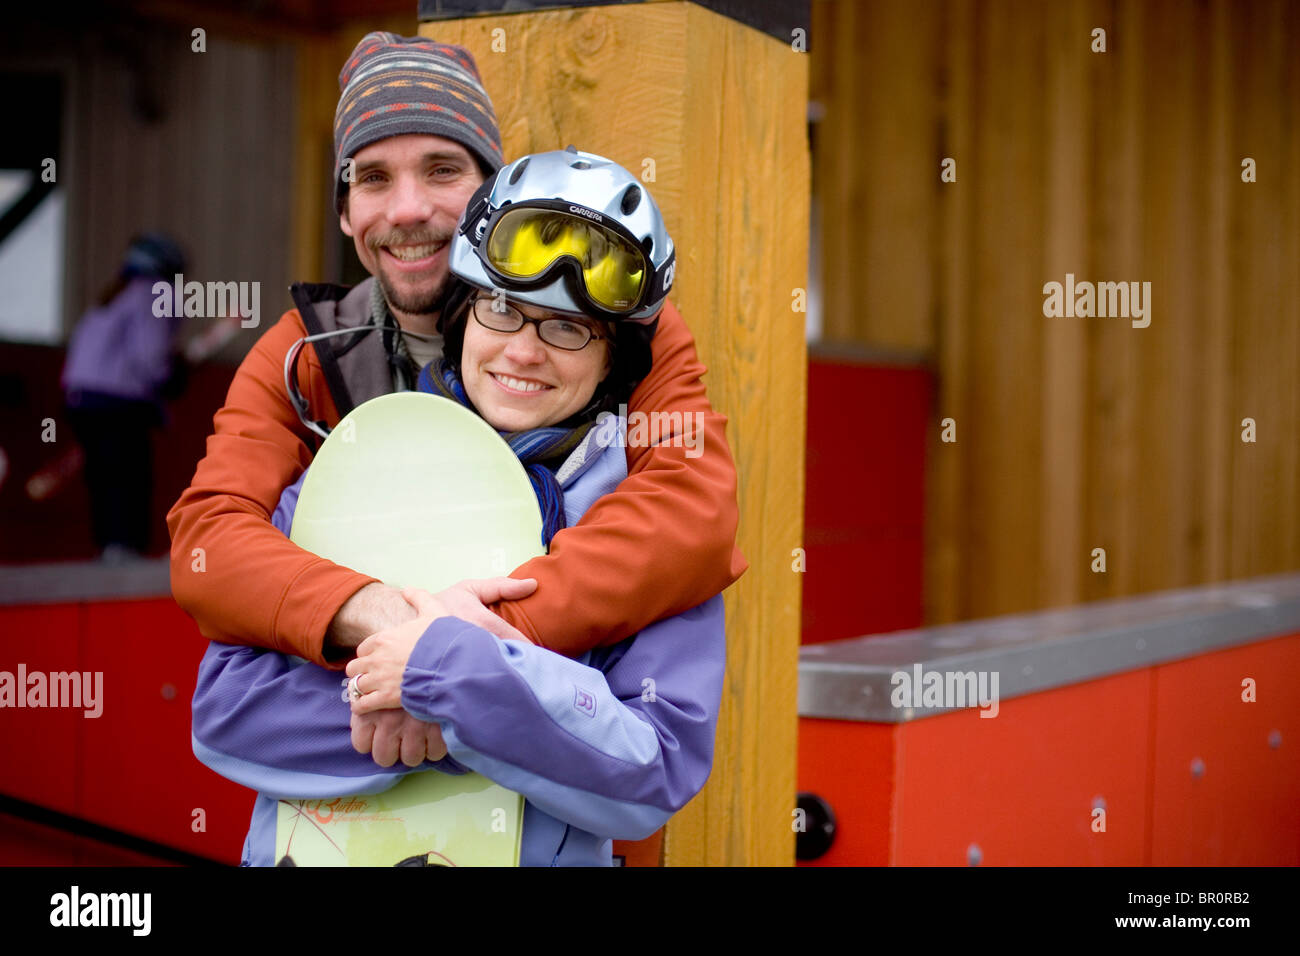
point(614, 748)
point(280, 725)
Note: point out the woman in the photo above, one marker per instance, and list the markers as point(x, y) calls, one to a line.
point(608, 746)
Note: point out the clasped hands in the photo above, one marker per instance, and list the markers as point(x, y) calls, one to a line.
point(380, 727)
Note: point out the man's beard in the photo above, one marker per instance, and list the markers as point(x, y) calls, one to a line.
point(416, 303)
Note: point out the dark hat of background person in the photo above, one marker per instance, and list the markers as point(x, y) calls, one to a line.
point(393, 85)
point(153, 254)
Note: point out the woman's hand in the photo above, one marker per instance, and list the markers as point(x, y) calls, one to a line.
point(381, 658)
point(377, 670)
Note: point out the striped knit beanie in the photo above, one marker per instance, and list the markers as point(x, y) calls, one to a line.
point(393, 85)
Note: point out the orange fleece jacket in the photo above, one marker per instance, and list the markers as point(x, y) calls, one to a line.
point(663, 542)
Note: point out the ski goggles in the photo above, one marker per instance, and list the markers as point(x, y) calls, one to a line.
point(525, 245)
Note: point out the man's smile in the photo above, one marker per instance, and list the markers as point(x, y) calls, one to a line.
point(415, 253)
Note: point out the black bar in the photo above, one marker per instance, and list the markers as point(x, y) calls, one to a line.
point(777, 18)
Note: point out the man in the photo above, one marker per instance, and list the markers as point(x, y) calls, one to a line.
point(414, 136)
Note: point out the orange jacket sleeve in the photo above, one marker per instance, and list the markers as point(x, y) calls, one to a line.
point(663, 542)
point(241, 579)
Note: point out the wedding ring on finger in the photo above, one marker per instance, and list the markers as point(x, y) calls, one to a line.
point(354, 688)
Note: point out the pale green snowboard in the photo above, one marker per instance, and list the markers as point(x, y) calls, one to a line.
point(417, 491)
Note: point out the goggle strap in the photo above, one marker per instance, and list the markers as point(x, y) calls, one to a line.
point(663, 277)
point(479, 208)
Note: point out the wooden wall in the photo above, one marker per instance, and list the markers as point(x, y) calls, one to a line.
point(214, 170)
point(236, 164)
point(1075, 433)
point(720, 108)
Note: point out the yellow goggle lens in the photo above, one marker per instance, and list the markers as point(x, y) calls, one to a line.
point(525, 243)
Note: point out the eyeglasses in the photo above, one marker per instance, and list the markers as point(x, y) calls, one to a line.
point(500, 316)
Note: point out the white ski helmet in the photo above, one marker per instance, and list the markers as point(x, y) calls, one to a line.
point(570, 232)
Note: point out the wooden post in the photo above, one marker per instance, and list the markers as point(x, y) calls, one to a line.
point(712, 114)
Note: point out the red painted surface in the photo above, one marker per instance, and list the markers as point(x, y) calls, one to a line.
point(38, 746)
point(132, 768)
point(24, 842)
point(1245, 807)
point(1021, 786)
point(140, 774)
point(851, 766)
point(865, 499)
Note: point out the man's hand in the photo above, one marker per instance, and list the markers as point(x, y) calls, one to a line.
point(372, 609)
point(389, 734)
point(381, 659)
point(468, 601)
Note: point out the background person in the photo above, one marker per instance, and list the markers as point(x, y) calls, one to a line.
point(121, 365)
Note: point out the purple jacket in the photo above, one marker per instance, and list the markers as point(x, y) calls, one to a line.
point(122, 349)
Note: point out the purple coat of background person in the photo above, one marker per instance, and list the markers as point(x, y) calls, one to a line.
point(121, 349)
point(119, 367)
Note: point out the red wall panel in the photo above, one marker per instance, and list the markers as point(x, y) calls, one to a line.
point(39, 756)
point(865, 499)
point(1021, 785)
point(1244, 808)
point(139, 770)
point(851, 766)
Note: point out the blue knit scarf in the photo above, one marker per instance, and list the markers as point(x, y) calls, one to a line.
point(533, 447)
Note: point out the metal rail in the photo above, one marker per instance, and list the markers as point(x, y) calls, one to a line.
point(854, 679)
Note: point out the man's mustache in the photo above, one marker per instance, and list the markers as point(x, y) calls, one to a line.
point(401, 238)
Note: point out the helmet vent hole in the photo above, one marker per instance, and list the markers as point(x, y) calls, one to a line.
point(518, 171)
point(631, 199)
point(580, 164)
point(648, 245)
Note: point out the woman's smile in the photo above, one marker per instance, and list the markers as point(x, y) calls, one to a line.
point(516, 385)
